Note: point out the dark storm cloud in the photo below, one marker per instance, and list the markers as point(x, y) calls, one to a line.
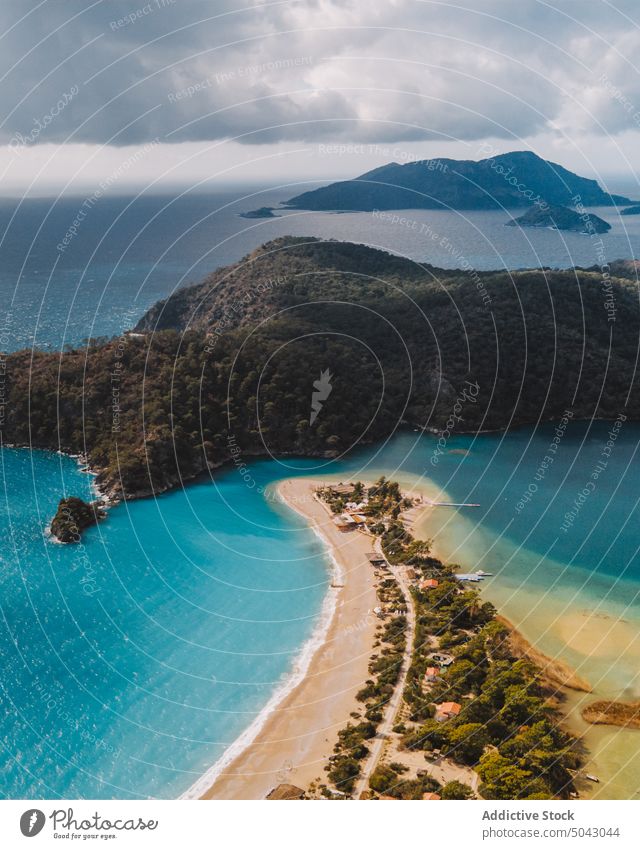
point(120, 72)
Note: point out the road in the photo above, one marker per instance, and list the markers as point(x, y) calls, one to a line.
point(393, 705)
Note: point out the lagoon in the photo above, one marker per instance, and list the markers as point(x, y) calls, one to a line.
point(132, 663)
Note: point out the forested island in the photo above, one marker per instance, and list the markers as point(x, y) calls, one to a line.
point(503, 181)
point(561, 218)
point(226, 368)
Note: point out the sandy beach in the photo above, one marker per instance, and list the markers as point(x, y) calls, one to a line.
point(298, 736)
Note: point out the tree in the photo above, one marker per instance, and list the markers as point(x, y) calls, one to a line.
point(467, 742)
point(456, 790)
point(504, 780)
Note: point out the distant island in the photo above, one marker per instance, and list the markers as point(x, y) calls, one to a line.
point(561, 218)
point(509, 180)
point(262, 212)
point(631, 210)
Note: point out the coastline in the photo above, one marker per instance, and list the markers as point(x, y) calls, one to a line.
point(292, 738)
point(294, 735)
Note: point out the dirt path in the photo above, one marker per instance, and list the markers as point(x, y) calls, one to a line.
point(394, 703)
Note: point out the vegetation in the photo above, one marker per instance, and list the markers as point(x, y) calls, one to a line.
point(561, 218)
point(72, 517)
point(506, 726)
point(386, 781)
point(508, 180)
point(216, 383)
point(625, 714)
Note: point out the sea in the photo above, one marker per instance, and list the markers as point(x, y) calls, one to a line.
point(135, 661)
point(69, 270)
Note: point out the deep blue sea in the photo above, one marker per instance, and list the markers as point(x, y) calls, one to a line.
point(128, 252)
point(133, 661)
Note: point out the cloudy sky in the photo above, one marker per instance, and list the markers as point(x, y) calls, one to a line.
point(178, 92)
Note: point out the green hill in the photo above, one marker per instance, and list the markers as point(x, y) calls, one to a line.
point(225, 370)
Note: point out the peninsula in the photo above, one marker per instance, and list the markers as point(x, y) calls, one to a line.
point(226, 368)
point(418, 691)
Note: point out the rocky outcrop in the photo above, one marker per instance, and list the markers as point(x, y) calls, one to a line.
point(262, 212)
point(73, 516)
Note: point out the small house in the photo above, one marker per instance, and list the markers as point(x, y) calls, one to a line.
point(442, 659)
point(432, 673)
point(429, 584)
point(431, 796)
point(447, 710)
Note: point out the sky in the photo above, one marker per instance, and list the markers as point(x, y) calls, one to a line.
point(172, 93)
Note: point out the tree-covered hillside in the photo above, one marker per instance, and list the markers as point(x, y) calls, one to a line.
point(231, 372)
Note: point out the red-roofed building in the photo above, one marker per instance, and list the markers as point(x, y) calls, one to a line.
point(429, 584)
point(431, 796)
point(432, 673)
point(446, 710)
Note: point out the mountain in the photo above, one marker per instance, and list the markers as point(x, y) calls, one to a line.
point(509, 180)
point(561, 218)
point(226, 370)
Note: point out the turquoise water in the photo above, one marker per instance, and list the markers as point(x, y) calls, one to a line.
point(132, 662)
point(561, 537)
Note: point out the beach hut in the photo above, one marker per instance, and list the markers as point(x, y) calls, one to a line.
point(376, 559)
point(358, 519)
point(344, 522)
